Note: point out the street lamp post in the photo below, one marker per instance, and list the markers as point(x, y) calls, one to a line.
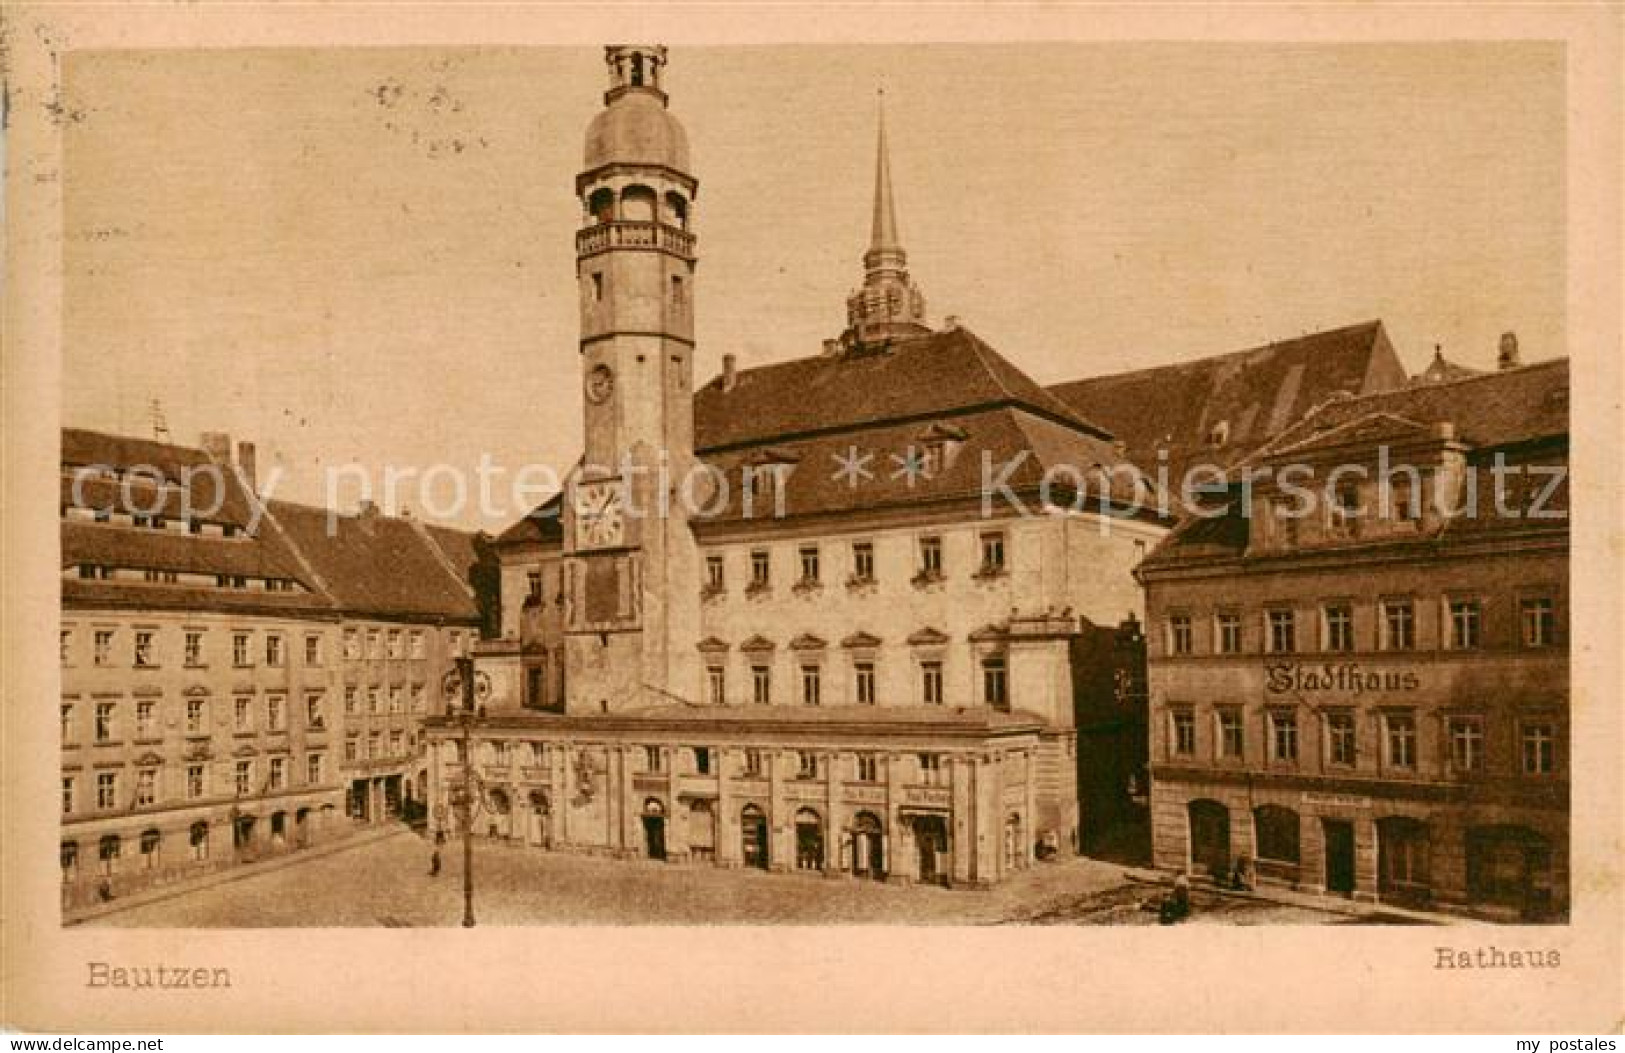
point(465, 810)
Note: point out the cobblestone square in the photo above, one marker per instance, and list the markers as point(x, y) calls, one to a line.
point(387, 883)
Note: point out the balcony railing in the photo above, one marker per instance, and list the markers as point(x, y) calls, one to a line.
point(629, 234)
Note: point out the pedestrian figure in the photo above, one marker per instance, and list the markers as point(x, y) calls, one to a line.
point(1176, 906)
point(434, 864)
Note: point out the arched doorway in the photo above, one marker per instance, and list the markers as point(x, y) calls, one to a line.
point(108, 854)
point(1403, 859)
point(501, 821)
point(279, 830)
point(868, 847)
point(242, 833)
point(1210, 837)
point(301, 828)
point(753, 837)
point(1014, 848)
point(931, 843)
point(1510, 866)
point(541, 815)
point(654, 829)
point(809, 840)
point(70, 862)
point(197, 839)
point(702, 830)
point(151, 841)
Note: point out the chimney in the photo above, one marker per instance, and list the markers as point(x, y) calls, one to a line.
point(730, 373)
point(1508, 358)
point(950, 323)
point(368, 509)
point(832, 348)
point(217, 444)
point(247, 463)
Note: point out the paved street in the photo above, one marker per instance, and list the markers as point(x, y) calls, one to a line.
point(386, 883)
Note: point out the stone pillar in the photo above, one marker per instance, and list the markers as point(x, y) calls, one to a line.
point(624, 808)
point(1365, 859)
point(780, 856)
point(904, 861)
point(1244, 833)
point(1029, 765)
point(963, 826)
point(1311, 853)
point(832, 821)
point(727, 841)
point(562, 763)
point(1447, 858)
point(897, 862)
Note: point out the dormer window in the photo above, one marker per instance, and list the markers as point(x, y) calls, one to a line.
point(764, 476)
point(1344, 512)
point(1219, 433)
point(939, 447)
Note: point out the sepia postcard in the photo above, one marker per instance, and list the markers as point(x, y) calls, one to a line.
point(722, 518)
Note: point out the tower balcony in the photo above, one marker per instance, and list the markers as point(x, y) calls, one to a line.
point(634, 234)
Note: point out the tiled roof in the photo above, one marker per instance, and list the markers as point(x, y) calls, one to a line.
point(1491, 413)
point(162, 550)
point(1215, 410)
point(225, 500)
point(1486, 409)
point(818, 484)
point(376, 564)
point(541, 526)
point(936, 375)
point(379, 565)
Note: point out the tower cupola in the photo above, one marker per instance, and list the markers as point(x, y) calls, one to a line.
point(888, 305)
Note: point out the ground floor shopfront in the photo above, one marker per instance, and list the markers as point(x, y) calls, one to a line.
point(1489, 851)
point(105, 858)
point(930, 808)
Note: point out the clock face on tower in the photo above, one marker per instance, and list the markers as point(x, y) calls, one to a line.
point(600, 522)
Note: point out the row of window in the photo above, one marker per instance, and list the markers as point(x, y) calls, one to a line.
point(1465, 734)
point(392, 699)
point(705, 760)
point(152, 521)
point(113, 793)
point(810, 563)
point(395, 644)
point(377, 745)
point(246, 717)
point(1396, 622)
point(145, 651)
point(995, 683)
point(194, 579)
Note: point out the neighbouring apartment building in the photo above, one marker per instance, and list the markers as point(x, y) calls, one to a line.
point(206, 714)
point(1364, 689)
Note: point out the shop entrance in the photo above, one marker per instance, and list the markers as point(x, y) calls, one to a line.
point(931, 841)
point(868, 847)
point(654, 829)
point(753, 837)
point(1339, 856)
point(1210, 838)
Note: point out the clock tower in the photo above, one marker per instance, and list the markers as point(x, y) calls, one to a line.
point(632, 567)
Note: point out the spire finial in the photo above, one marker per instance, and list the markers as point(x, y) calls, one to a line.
point(883, 231)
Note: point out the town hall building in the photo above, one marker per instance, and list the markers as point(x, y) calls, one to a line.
point(838, 661)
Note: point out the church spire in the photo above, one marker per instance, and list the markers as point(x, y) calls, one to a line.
point(888, 306)
point(883, 231)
